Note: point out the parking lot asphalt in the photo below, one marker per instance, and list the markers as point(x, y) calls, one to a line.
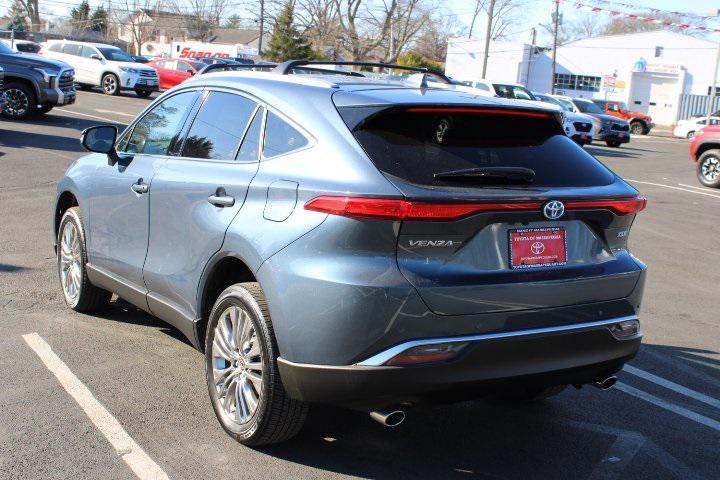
point(661, 421)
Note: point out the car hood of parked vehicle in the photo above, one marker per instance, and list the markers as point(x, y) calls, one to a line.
point(607, 118)
point(32, 60)
point(135, 65)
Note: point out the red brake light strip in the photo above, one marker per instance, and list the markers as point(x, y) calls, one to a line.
point(399, 209)
point(486, 111)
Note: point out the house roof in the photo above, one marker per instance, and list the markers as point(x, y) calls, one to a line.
point(235, 35)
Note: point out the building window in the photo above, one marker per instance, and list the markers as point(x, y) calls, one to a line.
point(583, 83)
point(659, 51)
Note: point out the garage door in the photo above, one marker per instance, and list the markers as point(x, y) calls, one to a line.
point(655, 95)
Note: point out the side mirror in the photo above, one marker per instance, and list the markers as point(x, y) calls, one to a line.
point(96, 56)
point(101, 139)
point(191, 72)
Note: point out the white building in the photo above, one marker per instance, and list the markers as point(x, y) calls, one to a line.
point(649, 71)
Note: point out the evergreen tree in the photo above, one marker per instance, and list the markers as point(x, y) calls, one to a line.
point(233, 21)
point(286, 42)
point(99, 20)
point(81, 16)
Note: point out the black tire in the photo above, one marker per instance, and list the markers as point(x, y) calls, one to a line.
point(532, 394)
point(613, 143)
point(20, 101)
point(708, 166)
point(690, 135)
point(89, 298)
point(638, 128)
point(45, 108)
point(110, 84)
point(143, 93)
point(277, 417)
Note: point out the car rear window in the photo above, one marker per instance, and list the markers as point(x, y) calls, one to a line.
point(414, 144)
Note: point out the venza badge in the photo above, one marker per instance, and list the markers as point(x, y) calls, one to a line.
point(553, 209)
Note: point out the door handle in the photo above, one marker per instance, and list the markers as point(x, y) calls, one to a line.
point(140, 187)
point(221, 198)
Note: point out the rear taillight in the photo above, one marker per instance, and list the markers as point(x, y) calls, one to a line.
point(399, 209)
point(620, 207)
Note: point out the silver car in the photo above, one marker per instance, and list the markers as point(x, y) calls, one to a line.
point(332, 238)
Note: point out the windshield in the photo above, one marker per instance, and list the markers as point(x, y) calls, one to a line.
point(115, 55)
point(588, 107)
point(513, 91)
point(623, 106)
point(5, 49)
point(567, 104)
point(554, 101)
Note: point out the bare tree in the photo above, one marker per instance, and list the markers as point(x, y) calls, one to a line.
point(319, 22)
point(432, 39)
point(200, 16)
point(406, 20)
point(33, 12)
point(362, 31)
point(628, 25)
point(504, 15)
point(139, 19)
point(479, 7)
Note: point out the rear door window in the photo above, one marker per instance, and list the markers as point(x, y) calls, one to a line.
point(219, 126)
point(281, 137)
point(414, 144)
point(71, 49)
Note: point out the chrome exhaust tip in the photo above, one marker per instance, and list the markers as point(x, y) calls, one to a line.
point(388, 418)
point(606, 383)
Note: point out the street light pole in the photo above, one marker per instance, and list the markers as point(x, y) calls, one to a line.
point(488, 32)
point(710, 108)
point(556, 22)
point(262, 25)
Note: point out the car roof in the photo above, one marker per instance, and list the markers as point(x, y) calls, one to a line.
point(93, 44)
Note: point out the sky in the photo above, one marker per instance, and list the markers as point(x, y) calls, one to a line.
point(531, 15)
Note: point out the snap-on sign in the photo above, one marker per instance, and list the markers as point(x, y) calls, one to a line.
point(187, 52)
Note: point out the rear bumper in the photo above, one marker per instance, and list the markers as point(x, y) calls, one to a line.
point(573, 354)
point(613, 136)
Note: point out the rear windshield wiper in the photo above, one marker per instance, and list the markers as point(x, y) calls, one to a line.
point(502, 174)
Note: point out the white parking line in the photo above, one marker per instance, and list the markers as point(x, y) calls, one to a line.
point(132, 454)
point(673, 187)
point(87, 115)
point(115, 113)
point(700, 397)
point(702, 189)
point(682, 411)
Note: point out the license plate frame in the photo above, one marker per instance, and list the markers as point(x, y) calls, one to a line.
point(524, 253)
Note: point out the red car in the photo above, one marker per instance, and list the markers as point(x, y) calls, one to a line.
point(640, 123)
point(174, 71)
point(705, 150)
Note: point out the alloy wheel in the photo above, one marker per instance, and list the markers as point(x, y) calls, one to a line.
point(109, 84)
point(16, 102)
point(237, 366)
point(710, 169)
point(70, 262)
point(637, 129)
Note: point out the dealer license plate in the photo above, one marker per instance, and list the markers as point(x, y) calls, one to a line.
point(537, 247)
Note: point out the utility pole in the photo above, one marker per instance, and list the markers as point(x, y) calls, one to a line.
point(488, 32)
point(530, 58)
point(262, 25)
point(556, 23)
point(710, 109)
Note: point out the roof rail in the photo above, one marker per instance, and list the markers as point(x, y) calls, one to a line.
point(287, 67)
point(226, 67)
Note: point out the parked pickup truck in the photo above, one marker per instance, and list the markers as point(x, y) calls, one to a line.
point(640, 123)
point(34, 84)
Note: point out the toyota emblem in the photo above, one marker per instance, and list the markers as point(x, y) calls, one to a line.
point(553, 209)
point(537, 248)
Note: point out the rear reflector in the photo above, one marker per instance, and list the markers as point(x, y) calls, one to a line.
point(399, 209)
point(436, 352)
point(481, 111)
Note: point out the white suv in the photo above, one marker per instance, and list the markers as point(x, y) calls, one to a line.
point(105, 66)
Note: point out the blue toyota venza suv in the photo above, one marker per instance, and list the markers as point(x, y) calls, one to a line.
point(350, 239)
